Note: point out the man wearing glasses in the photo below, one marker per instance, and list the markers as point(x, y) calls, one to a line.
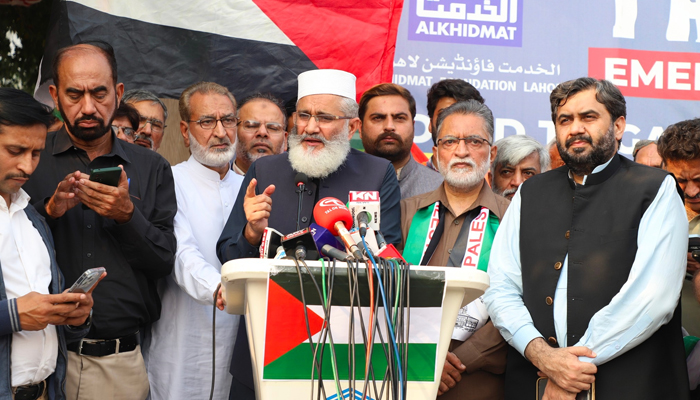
point(319, 146)
point(153, 114)
point(261, 130)
point(467, 214)
point(126, 122)
point(206, 190)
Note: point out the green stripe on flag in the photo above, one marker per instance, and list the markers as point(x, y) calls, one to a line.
point(297, 364)
point(485, 255)
point(417, 233)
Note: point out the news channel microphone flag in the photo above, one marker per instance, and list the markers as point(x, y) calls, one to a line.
point(247, 46)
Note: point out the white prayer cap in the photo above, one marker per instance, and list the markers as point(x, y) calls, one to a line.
point(327, 81)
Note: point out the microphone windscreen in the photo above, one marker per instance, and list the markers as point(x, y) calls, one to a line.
point(301, 179)
point(330, 210)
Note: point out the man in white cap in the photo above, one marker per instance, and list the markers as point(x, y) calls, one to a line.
point(319, 147)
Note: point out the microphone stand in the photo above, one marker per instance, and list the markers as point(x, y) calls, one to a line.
point(301, 187)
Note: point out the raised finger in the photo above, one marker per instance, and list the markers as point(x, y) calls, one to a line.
point(269, 190)
point(250, 190)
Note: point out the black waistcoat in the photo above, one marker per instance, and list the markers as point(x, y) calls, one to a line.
point(596, 225)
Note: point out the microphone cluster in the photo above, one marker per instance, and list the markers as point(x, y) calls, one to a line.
point(336, 232)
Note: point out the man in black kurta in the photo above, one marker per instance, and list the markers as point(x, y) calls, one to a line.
point(587, 265)
point(318, 147)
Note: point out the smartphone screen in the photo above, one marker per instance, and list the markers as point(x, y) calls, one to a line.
point(108, 176)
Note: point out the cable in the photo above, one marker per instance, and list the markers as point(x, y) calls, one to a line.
point(213, 343)
point(308, 332)
point(327, 312)
point(389, 326)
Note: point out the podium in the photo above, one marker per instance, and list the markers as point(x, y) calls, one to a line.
point(279, 371)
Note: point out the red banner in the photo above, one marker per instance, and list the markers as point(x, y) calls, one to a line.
point(650, 74)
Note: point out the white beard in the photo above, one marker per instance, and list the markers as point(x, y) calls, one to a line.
point(322, 162)
point(464, 178)
point(211, 157)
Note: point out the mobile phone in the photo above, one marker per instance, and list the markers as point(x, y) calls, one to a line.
point(587, 395)
point(694, 247)
point(108, 176)
point(87, 280)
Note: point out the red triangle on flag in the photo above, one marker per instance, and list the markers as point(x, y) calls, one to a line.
point(286, 322)
point(358, 37)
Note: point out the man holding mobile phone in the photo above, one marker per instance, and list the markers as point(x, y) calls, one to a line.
point(35, 316)
point(128, 228)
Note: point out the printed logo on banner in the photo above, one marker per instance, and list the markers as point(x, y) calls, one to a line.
point(488, 22)
point(650, 74)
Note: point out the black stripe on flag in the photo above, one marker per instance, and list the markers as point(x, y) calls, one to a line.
point(166, 60)
point(426, 286)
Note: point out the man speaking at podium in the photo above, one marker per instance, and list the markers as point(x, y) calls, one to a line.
point(464, 212)
point(319, 147)
point(587, 265)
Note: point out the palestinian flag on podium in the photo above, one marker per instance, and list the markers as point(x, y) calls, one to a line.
point(288, 355)
point(246, 45)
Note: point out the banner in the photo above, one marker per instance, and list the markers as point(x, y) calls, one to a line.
point(247, 46)
point(516, 51)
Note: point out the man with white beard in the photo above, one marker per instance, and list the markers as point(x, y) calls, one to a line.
point(180, 355)
point(319, 146)
point(465, 210)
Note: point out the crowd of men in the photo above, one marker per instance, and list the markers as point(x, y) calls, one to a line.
point(587, 261)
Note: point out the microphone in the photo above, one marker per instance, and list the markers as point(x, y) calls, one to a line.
point(280, 253)
point(323, 237)
point(271, 241)
point(301, 244)
point(365, 203)
point(363, 219)
point(331, 213)
point(301, 180)
point(381, 242)
point(332, 252)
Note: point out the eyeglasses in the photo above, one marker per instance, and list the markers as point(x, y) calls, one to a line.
point(322, 119)
point(228, 122)
point(127, 131)
point(473, 142)
point(156, 124)
point(250, 126)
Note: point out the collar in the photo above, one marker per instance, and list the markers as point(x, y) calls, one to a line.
point(201, 171)
point(63, 143)
point(600, 173)
point(486, 198)
point(18, 201)
point(235, 168)
point(406, 170)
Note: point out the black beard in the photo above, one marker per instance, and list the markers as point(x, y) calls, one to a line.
point(396, 154)
point(88, 134)
point(584, 164)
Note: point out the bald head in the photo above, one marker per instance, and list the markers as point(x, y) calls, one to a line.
point(85, 49)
